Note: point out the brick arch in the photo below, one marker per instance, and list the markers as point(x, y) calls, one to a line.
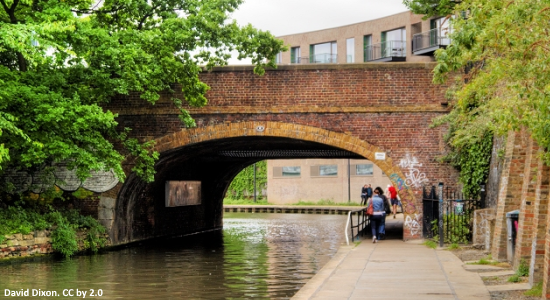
point(413, 221)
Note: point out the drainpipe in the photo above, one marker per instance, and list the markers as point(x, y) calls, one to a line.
point(349, 182)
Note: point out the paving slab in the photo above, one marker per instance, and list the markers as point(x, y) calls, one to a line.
point(509, 287)
point(482, 268)
point(393, 269)
point(497, 273)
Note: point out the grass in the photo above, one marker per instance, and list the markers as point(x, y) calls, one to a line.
point(322, 202)
point(430, 244)
point(453, 247)
point(514, 278)
point(535, 291)
point(229, 201)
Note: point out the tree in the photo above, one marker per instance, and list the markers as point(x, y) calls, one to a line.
point(431, 8)
point(61, 60)
point(498, 62)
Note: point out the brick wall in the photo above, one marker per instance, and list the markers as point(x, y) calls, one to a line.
point(380, 107)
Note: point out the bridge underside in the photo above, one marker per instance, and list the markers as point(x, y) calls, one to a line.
point(141, 210)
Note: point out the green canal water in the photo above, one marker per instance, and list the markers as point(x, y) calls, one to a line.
point(256, 256)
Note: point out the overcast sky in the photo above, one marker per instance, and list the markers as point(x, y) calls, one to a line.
point(283, 17)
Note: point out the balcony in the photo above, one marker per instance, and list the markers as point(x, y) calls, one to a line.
point(387, 51)
point(426, 43)
point(317, 59)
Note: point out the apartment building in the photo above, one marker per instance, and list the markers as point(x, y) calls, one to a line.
point(399, 37)
point(337, 180)
point(402, 37)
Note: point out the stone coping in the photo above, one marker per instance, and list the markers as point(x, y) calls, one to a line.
point(331, 66)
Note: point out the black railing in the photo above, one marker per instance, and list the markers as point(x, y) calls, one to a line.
point(457, 214)
point(359, 227)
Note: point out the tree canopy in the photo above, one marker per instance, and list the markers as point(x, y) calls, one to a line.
point(497, 64)
point(60, 60)
point(431, 8)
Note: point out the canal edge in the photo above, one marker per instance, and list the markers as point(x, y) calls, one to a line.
point(317, 281)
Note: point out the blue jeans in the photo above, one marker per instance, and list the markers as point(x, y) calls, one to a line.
point(382, 226)
point(375, 221)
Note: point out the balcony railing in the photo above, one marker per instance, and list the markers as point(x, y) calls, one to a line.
point(387, 51)
point(317, 59)
point(430, 41)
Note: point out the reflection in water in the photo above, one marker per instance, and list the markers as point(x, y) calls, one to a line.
point(269, 256)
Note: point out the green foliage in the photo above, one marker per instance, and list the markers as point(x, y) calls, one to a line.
point(61, 61)
point(82, 193)
point(498, 61)
point(430, 244)
point(242, 185)
point(535, 291)
point(514, 278)
point(456, 227)
point(64, 239)
point(523, 269)
point(65, 224)
point(231, 201)
point(453, 246)
point(431, 8)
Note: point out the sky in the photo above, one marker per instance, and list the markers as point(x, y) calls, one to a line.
point(283, 17)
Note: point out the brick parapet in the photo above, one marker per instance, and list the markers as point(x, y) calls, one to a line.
point(526, 229)
point(540, 223)
point(510, 190)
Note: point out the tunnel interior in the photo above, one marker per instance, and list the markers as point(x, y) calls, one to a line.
point(141, 212)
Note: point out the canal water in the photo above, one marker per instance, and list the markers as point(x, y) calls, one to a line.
point(258, 256)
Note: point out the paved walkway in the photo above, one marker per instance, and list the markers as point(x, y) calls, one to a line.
point(393, 269)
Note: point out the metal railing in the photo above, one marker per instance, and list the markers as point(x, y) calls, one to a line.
point(457, 214)
point(435, 37)
point(358, 229)
point(385, 50)
point(317, 59)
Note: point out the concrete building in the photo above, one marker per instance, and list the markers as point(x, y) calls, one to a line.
point(337, 180)
point(400, 37)
point(396, 38)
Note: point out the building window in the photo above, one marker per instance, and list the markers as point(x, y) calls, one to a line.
point(323, 53)
point(440, 31)
point(367, 51)
point(328, 170)
point(291, 171)
point(295, 55)
point(394, 43)
point(365, 169)
point(350, 50)
point(279, 58)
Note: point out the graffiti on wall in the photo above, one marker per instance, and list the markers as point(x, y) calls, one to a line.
point(413, 224)
point(413, 176)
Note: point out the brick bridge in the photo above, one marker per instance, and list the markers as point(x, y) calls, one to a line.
point(352, 110)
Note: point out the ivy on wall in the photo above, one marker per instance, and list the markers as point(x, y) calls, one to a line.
point(242, 185)
point(470, 140)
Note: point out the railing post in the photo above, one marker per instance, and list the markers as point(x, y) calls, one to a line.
point(440, 187)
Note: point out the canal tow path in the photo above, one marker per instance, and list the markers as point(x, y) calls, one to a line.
point(393, 269)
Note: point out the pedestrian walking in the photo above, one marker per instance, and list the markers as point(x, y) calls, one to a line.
point(393, 198)
point(369, 192)
point(364, 194)
point(378, 213)
point(382, 226)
